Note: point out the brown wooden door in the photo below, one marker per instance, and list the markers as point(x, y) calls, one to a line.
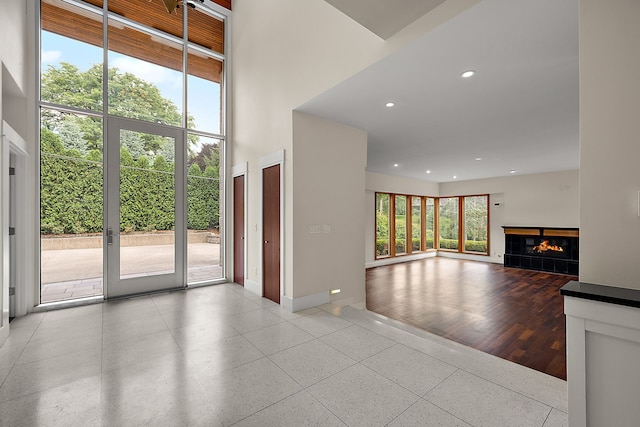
point(271, 233)
point(238, 229)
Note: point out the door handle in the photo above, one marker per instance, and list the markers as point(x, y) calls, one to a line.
point(110, 236)
point(266, 241)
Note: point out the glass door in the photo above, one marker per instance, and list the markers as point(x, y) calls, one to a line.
point(145, 237)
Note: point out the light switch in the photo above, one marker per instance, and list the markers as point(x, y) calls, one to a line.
point(326, 228)
point(315, 229)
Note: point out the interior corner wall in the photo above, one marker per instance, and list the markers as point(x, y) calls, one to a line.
point(401, 185)
point(546, 199)
point(328, 206)
point(609, 147)
point(13, 17)
point(283, 53)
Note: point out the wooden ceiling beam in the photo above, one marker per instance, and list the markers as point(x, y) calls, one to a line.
point(136, 44)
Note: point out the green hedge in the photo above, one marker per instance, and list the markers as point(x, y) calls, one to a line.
point(203, 189)
point(475, 246)
point(469, 245)
point(71, 192)
point(382, 247)
point(448, 244)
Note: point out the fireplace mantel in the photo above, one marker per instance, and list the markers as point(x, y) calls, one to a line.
point(542, 231)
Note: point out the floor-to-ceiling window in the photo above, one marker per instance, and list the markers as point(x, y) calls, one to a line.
point(448, 222)
point(416, 224)
point(410, 224)
point(476, 224)
point(430, 222)
point(401, 225)
point(383, 236)
point(131, 146)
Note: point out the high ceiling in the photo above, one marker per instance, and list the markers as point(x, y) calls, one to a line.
point(384, 17)
point(518, 113)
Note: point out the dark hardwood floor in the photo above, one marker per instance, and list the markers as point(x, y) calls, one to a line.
point(511, 313)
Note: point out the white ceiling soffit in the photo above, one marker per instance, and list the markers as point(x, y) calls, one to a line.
point(519, 112)
point(384, 17)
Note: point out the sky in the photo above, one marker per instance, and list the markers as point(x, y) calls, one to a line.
point(204, 96)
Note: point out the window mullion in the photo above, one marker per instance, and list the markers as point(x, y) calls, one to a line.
point(423, 223)
point(392, 225)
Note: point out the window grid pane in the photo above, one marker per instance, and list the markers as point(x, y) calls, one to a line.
point(448, 220)
point(416, 224)
point(476, 221)
point(401, 225)
point(382, 225)
point(430, 222)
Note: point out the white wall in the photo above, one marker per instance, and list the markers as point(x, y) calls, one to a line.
point(547, 199)
point(328, 188)
point(13, 17)
point(609, 145)
point(401, 185)
point(285, 52)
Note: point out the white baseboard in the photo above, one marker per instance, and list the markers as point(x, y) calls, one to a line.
point(397, 260)
point(4, 331)
point(445, 254)
point(308, 301)
point(470, 257)
point(254, 287)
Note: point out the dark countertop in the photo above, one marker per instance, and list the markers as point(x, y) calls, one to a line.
point(603, 293)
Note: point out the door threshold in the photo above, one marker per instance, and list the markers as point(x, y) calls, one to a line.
point(57, 305)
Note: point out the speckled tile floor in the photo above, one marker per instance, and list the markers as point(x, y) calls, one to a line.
point(221, 356)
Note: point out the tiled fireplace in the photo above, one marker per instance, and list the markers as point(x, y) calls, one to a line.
point(542, 248)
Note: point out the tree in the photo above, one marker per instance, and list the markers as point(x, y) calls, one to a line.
point(71, 135)
point(67, 85)
point(209, 155)
point(128, 95)
point(72, 153)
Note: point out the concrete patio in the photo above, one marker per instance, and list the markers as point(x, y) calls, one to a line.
point(77, 273)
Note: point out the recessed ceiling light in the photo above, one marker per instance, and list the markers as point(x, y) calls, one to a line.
point(455, 177)
point(395, 165)
point(513, 171)
point(389, 104)
point(428, 172)
point(468, 73)
point(478, 158)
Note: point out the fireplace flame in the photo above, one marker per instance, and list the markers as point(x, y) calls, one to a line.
point(545, 246)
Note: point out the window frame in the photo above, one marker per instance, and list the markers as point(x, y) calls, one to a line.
point(463, 224)
point(423, 227)
point(375, 219)
point(218, 10)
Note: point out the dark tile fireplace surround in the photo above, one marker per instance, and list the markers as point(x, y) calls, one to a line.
point(542, 248)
